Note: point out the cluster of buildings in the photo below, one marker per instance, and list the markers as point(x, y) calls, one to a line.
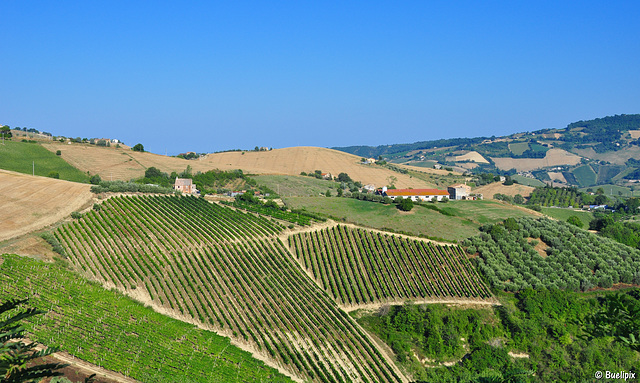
point(453, 192)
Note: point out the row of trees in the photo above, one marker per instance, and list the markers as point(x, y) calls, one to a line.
point(572, 258)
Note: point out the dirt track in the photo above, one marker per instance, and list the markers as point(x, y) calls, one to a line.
point(31, 203)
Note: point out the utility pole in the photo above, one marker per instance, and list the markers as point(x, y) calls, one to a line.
point(34, 168)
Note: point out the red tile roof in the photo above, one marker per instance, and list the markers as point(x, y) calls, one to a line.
point(417, 192)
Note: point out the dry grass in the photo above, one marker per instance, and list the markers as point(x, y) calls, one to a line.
point(635, 134)
point(31, 203)
point(489, 190)
point(124, 164)
point(557, 176)
point(554, 157)
point(472, 156)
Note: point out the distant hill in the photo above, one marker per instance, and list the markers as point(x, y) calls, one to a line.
point(124, 164)
point(585, 153)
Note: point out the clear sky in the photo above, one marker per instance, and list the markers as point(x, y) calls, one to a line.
point(208, 76)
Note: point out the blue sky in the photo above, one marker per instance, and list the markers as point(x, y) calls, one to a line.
point(209, 76)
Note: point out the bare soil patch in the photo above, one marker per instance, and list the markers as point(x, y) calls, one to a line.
point(31, 203)
point(541, 247)
point(635, 134)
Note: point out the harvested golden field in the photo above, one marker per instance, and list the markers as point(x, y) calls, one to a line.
point(117, 163)
point(557, 176)
point(472, 156)
point(554, 157)
point(489, 190)
point(31, 203)
point(122, 164)
point(635, 134)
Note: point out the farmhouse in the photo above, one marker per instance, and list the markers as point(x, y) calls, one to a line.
point(459, 191)
point(326, 176)
point(370, 188)
point(416, 194)
point(185, 185)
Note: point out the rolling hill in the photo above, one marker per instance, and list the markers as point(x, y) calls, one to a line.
point(122, 164)
point(610, 144)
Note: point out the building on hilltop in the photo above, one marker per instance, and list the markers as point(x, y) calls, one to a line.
point(416, 194)
point(185, 185)
point(459, 191)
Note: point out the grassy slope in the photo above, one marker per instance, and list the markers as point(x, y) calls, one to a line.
point(527, 181)
point(466, 217)
point(104, 327)
point(296, 185)
point(518, 148)
point(563, 214)
point(585, 175)
point(20, 156)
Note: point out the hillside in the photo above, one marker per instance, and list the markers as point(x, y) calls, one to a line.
point(123, 164)
point(609, 147)
point(32, 203)
point(227, 271)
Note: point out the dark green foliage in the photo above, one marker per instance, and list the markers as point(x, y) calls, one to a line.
point(560, 197)
point(544, 324)
point(76, 215)
point(129, 187)
point(53, 241)
point(344, 177)
point(627, 233)
point(574, 260)
point(95, 179)
point(138, 148)
point(18, 360)
point(619, 318)
point(54, 175)
point(404, 204)
point(58, 152)
point(575, 220)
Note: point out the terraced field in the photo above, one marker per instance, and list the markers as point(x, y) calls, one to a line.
point(228, 271)
point(360, 266)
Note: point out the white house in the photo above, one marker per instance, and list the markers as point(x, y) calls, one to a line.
point(416, 194)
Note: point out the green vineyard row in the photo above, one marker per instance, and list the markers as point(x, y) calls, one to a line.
point(227, 270)
point(108, 329)
point(359, 266)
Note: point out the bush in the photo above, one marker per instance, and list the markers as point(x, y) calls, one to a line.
point(58, 152)
point(76, 215)
point(405, 204)
point(138, 148)
point(51, 240)
point(574, 220)
point(96, 207)
point(95, 179)
point(52, 174)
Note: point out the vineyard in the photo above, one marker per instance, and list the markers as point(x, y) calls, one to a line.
point(300, 218)
point(227, 270)
point(358, 266)
point(108, 329)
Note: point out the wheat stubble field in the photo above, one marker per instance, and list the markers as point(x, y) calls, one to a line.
point(31, 203)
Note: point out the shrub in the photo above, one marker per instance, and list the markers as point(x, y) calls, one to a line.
point(76, 215)
point(58, 152)
point(574, 220)
point(53, 174)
